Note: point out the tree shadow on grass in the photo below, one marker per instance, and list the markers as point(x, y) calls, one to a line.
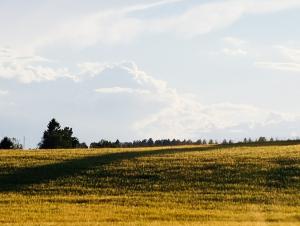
point(22, 178)
point(286, 174)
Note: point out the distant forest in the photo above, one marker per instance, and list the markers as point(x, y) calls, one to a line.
point(55, 137)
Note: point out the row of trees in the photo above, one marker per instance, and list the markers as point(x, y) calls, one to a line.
point(55, 137)
point(175, 142)
point(147, 143)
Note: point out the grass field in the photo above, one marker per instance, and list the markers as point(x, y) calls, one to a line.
point(197, 185)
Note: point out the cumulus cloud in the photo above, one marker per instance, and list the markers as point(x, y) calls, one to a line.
point(27, 68)
point(122, 101)
point(133, 74)
point(167, 113)
point(191, 118)
point(92, 68)
point(183, 115)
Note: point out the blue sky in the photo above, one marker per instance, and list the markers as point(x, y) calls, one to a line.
point(136, 69)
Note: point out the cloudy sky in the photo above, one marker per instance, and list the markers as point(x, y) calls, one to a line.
point(133, 69)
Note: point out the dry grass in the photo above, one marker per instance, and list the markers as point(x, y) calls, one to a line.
point(196, 185)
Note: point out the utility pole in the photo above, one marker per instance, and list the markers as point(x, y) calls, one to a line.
point(24, 142)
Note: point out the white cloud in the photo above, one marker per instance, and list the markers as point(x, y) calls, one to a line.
point(176, 114)
point(234, 52)
point(131, 104)
point(182, 115)
point(109, 26)
point(92, 68)
point(120, 90)
point(290, 53)
point(200, 19)
point(190, 118)
point(233, 41)
point(138, 76)
point(3, 92)
point(212, 16)
point(267, 6)
point(122, 25)
point(143, 79)
point(150, 5)
point(292, 67)
point(27, 68)
point(290, 60)
point(235, 47)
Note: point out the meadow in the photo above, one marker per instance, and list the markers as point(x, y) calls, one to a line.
point(188, 185)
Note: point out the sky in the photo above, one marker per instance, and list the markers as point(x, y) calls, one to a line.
point(129, 69)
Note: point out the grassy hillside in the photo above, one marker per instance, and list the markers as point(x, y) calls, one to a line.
point(207, 185)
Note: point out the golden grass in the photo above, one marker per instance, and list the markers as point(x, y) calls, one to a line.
point(191, 185)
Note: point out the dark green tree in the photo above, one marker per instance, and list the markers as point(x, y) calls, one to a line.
point(55, 137)
point(150, 142)
point(6, 143)
point(224, 141)
point(262, 140)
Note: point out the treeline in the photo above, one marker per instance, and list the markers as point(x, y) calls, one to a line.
point(175, 142)
point(147, 143)
point(56, 137)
